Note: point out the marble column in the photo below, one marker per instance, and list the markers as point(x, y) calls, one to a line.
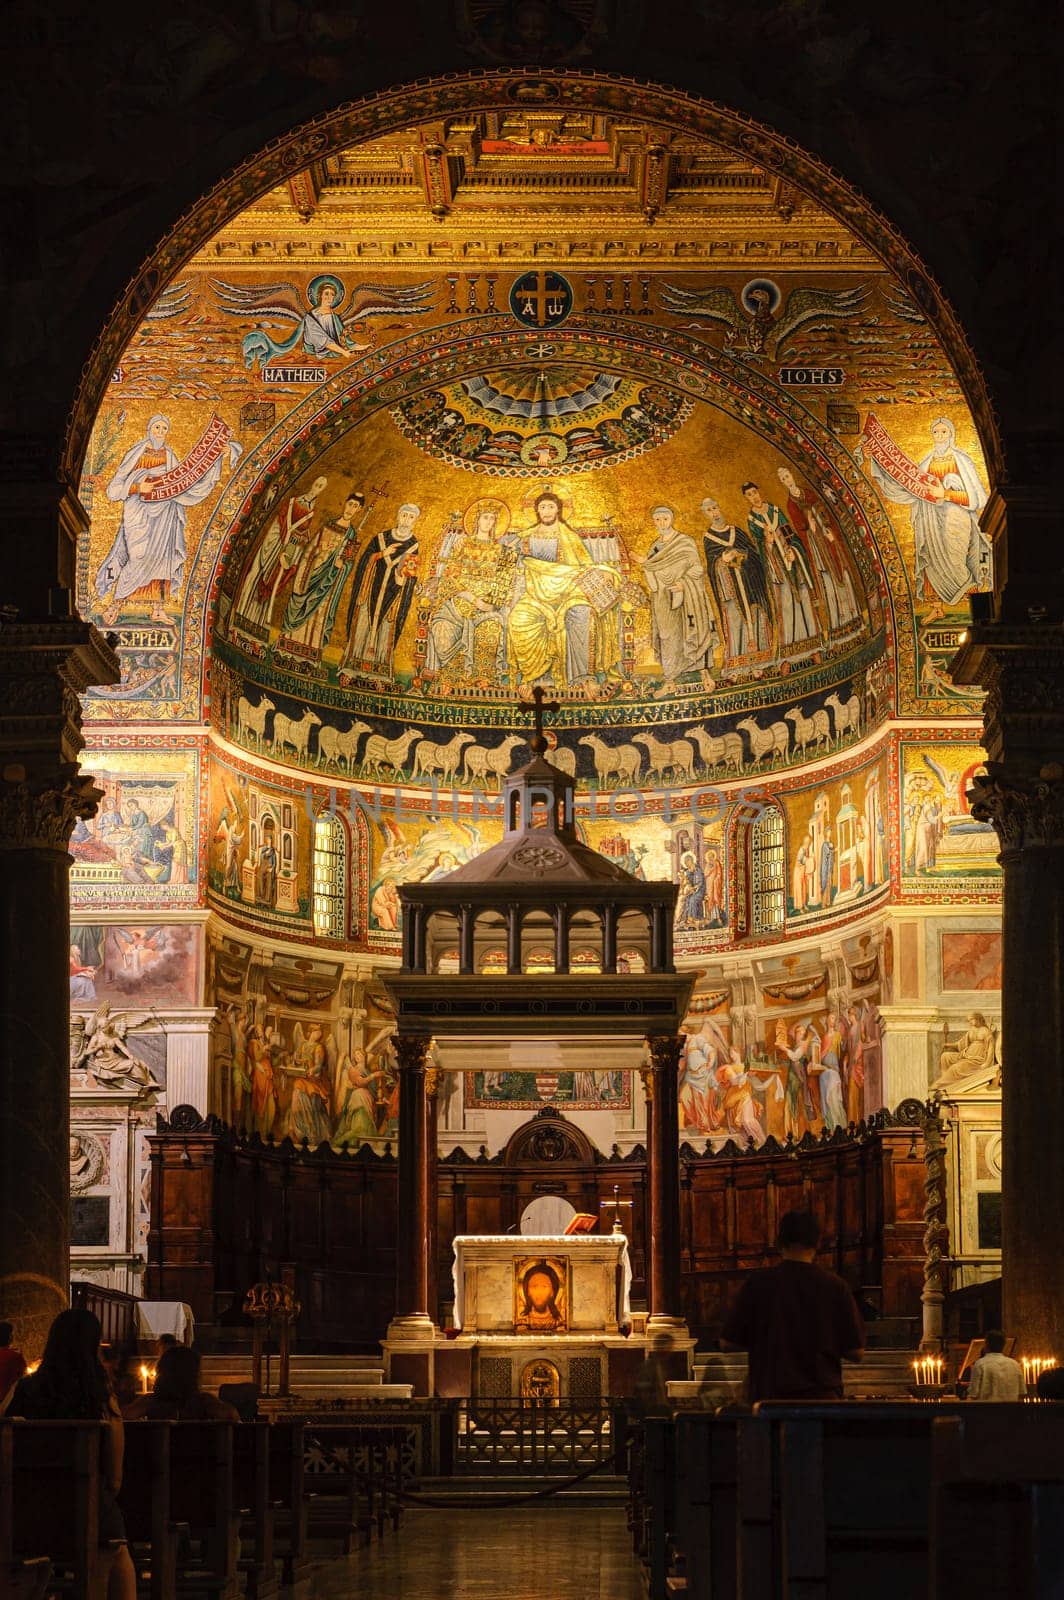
point(416, 1297)
point(910, 1057)
point(43, 667)
point(188, 1061)
point(660, 1080)
point(1020, 663)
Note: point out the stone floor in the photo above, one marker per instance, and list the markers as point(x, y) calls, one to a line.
point(545, 1553)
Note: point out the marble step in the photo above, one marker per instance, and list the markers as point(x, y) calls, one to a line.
point(603, 1488)
point(331, 1376)
point(882, 1374)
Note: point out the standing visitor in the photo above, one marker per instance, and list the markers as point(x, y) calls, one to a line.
point(797, 1321)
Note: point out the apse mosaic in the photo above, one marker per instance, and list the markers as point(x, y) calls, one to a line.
point(345, 595)
point(259, 847)
point(142, 846)
point(944, 849)
point(343, 519)
point(838, 842)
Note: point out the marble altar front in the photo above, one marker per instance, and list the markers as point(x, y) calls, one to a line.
point(542, 1285)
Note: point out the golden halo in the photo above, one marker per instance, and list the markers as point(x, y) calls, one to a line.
point(528, 500)
point(471, 515)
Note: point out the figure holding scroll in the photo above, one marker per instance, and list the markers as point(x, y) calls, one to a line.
point(945, 494)
point(147, 559)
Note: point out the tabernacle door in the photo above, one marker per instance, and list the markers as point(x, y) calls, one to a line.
point(542, 1285)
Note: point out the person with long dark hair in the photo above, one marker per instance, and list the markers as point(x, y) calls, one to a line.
point(176, 1395)
point(71, 1385)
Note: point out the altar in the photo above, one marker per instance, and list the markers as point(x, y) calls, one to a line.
point(543, 1316)
point(545, 1285)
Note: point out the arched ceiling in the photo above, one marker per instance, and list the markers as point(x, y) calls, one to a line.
point(470, 313)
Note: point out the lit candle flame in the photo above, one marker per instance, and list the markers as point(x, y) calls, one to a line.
point(928, 1372)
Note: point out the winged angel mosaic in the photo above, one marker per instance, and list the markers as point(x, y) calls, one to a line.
point(753, 327)
point(320, 325)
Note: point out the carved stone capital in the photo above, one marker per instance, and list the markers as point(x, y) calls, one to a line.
point(411, 1049)
point(44, 667)
point(1026, 812)
point(41, 815)
point(1021, 667)
point(664, 1050)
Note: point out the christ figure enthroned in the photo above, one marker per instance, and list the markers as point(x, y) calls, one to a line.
point(555, 632)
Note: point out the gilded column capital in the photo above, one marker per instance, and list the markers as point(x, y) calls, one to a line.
point(664, 1050)
point(1027, 812)
point(411, 1049)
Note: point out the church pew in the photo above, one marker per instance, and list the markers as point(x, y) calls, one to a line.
point(367, 1480)
point(25, 1579)
point(56, 1503)
point(756, 1509)
point(253, 1501)
point(201, 1496)
point(145, 1501)
point(997, 1505)
point(834, 1500)
point(340, 1507)
point(289, 1498)
point(706, 1474)
point(659, 1494)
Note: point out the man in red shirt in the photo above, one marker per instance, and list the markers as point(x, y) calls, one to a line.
point(12, 1362)
point(796, 1320)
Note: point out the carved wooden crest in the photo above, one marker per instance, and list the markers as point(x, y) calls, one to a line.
point(548, 1138)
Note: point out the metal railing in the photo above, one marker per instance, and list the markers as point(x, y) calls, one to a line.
point(518, 1437)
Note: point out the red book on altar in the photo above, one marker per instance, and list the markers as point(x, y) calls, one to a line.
point(583, 1222)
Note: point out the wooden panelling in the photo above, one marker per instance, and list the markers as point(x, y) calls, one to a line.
point(227, 1213)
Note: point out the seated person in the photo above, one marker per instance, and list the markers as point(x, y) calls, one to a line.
point(12, 1362)
point(71, 1385)
point(996, 1376)
point(177, 1396)
point(115, 1361)
point(1050, 1385)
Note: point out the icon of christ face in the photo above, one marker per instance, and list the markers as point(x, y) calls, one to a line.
point(540, 1291)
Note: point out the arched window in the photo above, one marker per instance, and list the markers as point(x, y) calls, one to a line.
point(330, 877)
point(767, 873)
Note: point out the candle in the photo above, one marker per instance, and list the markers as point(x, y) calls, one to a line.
point(143, 1378)
point(928, 1372)
point(1034, 1366)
